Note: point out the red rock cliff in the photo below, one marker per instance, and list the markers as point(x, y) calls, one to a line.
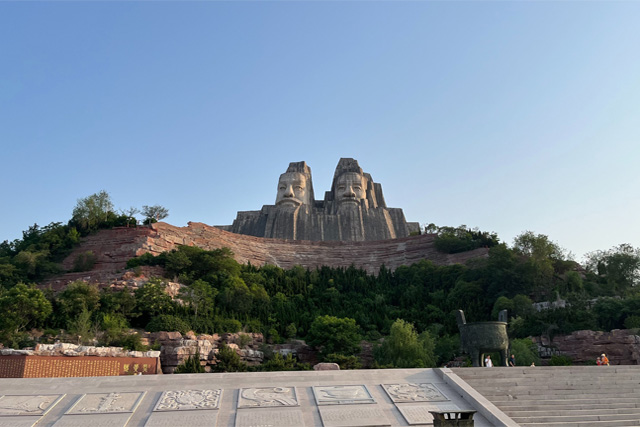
point(114, 247)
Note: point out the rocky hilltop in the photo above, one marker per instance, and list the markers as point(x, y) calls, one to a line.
point(113, 248)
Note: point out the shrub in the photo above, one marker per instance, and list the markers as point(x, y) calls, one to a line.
point(560, 360)
point(244, 340)
point(525, 352)
point(133, 342)
point(230, 325)
point(632, 322)
point(84, 261)
point(228, 360)
point(345, 362)
point(169, 323)
point(190, 366)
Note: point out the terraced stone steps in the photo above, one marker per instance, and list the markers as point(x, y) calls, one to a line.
point(587, 396)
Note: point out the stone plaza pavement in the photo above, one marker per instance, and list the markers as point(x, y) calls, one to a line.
point(385, 397)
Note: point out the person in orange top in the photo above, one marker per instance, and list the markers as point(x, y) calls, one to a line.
point(604, 359)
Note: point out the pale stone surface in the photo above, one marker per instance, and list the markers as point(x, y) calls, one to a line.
point(411, 392)
point(94, 420)
point(269, 418)
point(182, 418)
point(106, 403)
point(267, 396)
point(353, 417)
point(18, 421)
point(180, 400)
point(417, 414)
point(342, 395)
point(326, 367)
point(231, 385)
point(28, 404)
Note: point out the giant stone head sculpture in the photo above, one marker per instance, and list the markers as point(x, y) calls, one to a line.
point(295, 187)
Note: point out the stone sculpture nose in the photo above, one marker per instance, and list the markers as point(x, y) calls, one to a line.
point(289, 191)
point(349, 192)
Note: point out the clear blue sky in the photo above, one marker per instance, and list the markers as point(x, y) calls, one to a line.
point(505, 115)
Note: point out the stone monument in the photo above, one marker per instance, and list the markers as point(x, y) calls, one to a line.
point(354, 209)
point(478, 338)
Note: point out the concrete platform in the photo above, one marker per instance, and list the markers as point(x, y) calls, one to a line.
point(390, 397)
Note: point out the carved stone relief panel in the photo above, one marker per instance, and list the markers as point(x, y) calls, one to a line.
point(411, 392)
point(28, 405)
point(342, 395)
point(180, 400)
point(260, 397)
point(100, 403)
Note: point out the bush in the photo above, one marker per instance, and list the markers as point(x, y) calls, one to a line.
point(133, 342)
point(560, 360)
point(230, 326)
point(345, 362)
point(169, 323)
point(190, 366)
point(84, 261)
point(228, 360)
point(525, 352)
point(632, 322)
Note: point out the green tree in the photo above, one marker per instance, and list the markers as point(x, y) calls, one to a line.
point(618, 268)
point(334, 335)
point(92, 211)
point(113, 327)
point(228, 360)
point(152, 300)
point(404, 348)
point(200, 297)
point(78, 296)
point(22, 306)
point(154, 213)
point(541, 255)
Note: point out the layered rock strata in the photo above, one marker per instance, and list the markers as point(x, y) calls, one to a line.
point(114, 247)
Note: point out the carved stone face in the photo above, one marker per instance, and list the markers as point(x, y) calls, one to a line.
point(292, 190)
point(350, 188)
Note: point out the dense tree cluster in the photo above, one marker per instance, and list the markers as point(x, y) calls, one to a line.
point(332, 308)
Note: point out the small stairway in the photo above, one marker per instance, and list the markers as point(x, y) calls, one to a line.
point(573, 396)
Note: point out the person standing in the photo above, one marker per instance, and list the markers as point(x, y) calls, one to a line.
point(487, 362)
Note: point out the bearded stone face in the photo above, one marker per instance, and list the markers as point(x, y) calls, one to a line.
point(350, 189)
point(292, 190)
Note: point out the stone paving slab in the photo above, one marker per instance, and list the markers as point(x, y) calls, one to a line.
point(269, 418)
point(18, 421)
point(195, 418)
point(94, 420)
point(353, 416)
